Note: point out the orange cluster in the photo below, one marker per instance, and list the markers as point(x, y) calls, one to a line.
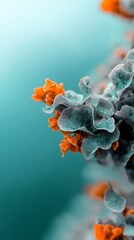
point(115, 145)
point(96, 191)
point(72, 143)
point(108, 232)
point(121, 53)
point(128, 211)
point(115, 7)
point(54, 121)
point(48, 92)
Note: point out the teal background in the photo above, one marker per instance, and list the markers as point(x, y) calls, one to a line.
point(58, 39)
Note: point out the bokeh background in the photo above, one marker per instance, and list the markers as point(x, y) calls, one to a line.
point(58, 39)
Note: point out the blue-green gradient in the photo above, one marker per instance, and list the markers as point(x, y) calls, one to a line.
point(62, 40)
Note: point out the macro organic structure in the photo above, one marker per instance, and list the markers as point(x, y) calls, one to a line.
point(98, 122)
point(94, 123)
point(101, 127)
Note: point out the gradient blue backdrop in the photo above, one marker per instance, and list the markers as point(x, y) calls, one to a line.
point(62, 40)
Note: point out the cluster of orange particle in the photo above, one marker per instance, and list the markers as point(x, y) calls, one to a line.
point(120, 52)
point(48, 92)
point(96, 191)
point(54, 121)
point(115, 7)
point(108, 232)
point(39, 94)
point(102, 85)
point(115, 145)
point(72, 143)
point(128, 211)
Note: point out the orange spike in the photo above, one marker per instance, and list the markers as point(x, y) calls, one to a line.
point(96, 191)
point(39, 94)
point(54, 121)
point(48, 92)
point(115, 145)
point(128, 211)
point(120, 52)
point(115, 7)
point(108, 232)
point(102, 86)
point(117, 234)
point(109, 5)
point(99, 232)
point(52, 89)
point(65, 146)
point(72, 143)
